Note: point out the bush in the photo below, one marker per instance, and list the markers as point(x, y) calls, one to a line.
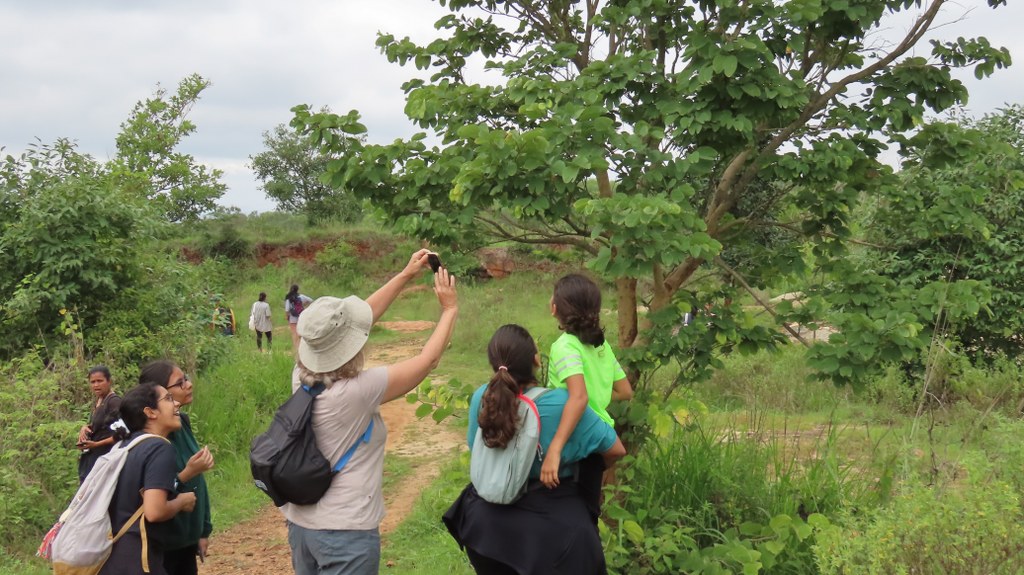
point(715, 499)
point(339, 258)
point(224, 241)
point(39, 422)
point(929, 530)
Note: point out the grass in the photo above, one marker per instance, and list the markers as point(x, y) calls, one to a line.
point(421, 544)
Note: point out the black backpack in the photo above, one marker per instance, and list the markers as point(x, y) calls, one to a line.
point(285, 461)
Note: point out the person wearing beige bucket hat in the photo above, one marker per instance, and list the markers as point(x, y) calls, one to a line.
point(339, 534)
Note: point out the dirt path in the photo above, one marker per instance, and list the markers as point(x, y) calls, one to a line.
point(260, 546)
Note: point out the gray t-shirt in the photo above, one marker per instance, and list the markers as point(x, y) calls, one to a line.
point(341, 415)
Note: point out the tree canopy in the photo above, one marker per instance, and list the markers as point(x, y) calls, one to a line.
point(292, 170)
point(148, 164)
point(662, 138)
point(77, 235)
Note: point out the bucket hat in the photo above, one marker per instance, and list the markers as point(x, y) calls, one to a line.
point(333, 330)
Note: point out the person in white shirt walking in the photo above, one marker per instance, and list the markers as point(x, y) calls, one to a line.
point(260, 316)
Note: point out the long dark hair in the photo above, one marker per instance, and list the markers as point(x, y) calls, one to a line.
point(511, 352)
point(577, 302)
point(133, 406)
point(158, 372)
point(292, 293)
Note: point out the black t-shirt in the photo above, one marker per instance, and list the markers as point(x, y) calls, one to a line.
point(108, 412)
point(150, 465)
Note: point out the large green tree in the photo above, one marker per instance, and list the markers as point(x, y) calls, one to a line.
point(292, 169)
point(663, 138)
point(148, 162)
point(79, 240)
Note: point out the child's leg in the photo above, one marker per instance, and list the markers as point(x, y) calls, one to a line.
point(591, 474)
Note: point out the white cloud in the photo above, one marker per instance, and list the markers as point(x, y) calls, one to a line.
point(75, 69)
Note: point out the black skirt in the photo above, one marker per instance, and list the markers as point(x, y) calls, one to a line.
point(548, 531)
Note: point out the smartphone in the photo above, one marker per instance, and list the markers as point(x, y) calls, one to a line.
point(434, 261)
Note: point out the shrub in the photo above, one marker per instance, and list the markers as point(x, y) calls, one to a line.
point(338, 257)
point(715, 499)
point(966, 529)
point(224, 241)
point(39, 421)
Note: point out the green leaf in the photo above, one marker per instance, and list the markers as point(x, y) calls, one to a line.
point(634, 532)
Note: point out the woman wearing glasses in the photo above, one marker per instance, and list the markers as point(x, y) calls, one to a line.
point(187, 535)
point(146, 482)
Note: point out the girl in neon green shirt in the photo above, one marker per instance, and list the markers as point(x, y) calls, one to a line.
point(582, 362)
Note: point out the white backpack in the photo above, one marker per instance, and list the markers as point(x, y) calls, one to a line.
point(500, 474)
point(81, 540)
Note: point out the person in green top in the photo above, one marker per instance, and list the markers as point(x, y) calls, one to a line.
point(185, 537)
point(582, 362)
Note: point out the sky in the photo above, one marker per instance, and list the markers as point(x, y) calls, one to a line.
point(75, 69)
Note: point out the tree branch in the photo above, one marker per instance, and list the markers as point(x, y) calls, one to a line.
point(735, 275)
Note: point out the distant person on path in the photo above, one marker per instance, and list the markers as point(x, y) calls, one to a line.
point(186, 536)
point(96, 438)
point(546, 530)
point(147, 480)
point(582, 362)
point(294, 304)
point(261, 321)
point(339, 534)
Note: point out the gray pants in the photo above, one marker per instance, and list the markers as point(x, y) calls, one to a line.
point(334, 552)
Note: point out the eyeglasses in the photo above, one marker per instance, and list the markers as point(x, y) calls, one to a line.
point(168, 397)
point(180, 383)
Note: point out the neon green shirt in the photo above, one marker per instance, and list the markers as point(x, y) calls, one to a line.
point(597, 365)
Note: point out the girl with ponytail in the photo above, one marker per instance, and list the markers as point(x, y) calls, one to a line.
point(551, 528)
point(582, 362)
point(513, 357)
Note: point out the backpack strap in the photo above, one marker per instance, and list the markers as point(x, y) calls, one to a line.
point(316, 390)
point(529, 398)
point(365, 438)
point(532, 395)
point(138, 515)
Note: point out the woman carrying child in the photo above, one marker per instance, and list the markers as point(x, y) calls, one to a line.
point(546, 530)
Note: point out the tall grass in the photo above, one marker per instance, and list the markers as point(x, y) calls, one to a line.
point(234, 402)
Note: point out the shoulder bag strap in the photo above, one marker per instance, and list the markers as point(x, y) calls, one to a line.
point(365, 438)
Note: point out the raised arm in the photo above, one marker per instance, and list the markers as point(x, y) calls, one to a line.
point(382, 298)
point(406, 375)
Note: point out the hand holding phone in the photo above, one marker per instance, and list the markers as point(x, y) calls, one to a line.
point(435, 261)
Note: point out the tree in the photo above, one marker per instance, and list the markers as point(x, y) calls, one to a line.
point(73, 242)
point(147, 163)
point(958, 221)
point(292, 168)
point(77, 238)
point(662, 138)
